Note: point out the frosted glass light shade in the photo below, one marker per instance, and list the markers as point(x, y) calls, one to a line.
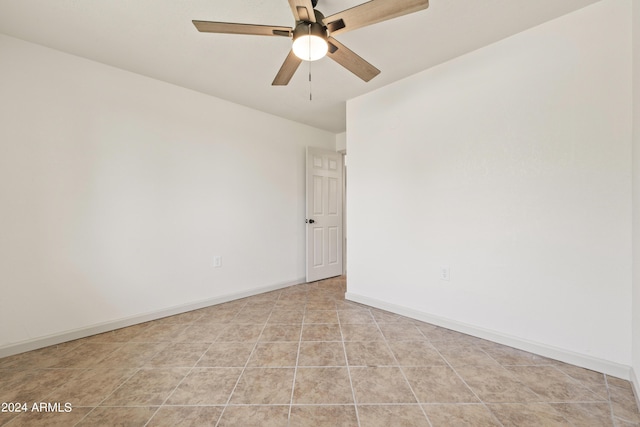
point(310, 47)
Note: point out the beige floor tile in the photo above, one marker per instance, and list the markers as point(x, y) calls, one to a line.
point(460, 354)
point(528, 415)
point(321, 305)
point(280, 332)
point(508, 356)
point(318, 332)
point(321, 316)
point(585, 414)
point(274, 354)
point(160, 333)
point(206, 386)
point(240, 333)
point(265, 297)
point(85, 355)
point(323, 416)
point(416, 353)
point(226, 354)
point(321, 353)
point(624, 404)
point(382, 316)
point(438, 384)
point(496, 384)
point(594, 381)
point(288, 317)
point(222, 316)
point(295, 303)
point(355, 316)
point(264, 386)
point(178, 355)
point(468, 415)
point(252, 316)
point(124, 417)
point(11, 381)
point(369, 353)
point(36, 385)
point(322, 386)
point(186, 416)
point(361, 332)
point(551, 384)
point(38, 359)
point(147, 387)
point(201, 333)
point(131, 332)
point(620, 383)
point(90, 387)
point(131, 355)
point(5, 417)
point(380, 385)
point(255, 416)
point(619, 422)
point(50, 419)
point(391, 415)
point(401, 332)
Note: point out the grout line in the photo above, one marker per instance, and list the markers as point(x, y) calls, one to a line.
point(249, 358)
point(135, 371)
point(613, 417)
point(179, 382)
point(192, 367)
point(346, 360)
point(460, 376)
point(295, 372)
point(415, 396)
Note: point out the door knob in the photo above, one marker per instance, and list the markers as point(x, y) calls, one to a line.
point(311, 221)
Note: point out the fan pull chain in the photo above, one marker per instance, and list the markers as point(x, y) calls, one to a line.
point(310, 95)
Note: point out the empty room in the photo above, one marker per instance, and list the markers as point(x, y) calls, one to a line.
point(320, 213)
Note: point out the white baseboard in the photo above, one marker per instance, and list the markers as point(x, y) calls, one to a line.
point(87, 331)
point(635, 382)
point(600, 365)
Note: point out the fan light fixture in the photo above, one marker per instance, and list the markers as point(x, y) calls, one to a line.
point(310, 41)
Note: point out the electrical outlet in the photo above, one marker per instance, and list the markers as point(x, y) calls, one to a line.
point(445, 273)
point(217, 261)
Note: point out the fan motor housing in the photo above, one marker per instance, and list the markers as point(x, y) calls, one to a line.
point(310, 29)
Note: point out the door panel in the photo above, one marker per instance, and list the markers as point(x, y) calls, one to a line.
point(324, 214)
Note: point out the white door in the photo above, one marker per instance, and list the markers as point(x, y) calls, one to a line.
point(324, 214)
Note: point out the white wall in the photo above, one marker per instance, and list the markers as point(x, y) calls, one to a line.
point(341, 142)
point(511, 166)
point(636, 195)
point(117, 191)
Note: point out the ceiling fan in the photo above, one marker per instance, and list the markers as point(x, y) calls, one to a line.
point(313, 33)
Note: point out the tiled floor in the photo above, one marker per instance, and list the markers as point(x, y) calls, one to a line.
point(303, 356)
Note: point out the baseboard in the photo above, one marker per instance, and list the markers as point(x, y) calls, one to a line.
point(635, 383)
point(600, 365)
point(87, 331)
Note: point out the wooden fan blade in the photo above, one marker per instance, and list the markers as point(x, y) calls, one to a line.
point(303, 10)
point(351, 61)
point(371, 12)
point(231, 28)
point(288, 69)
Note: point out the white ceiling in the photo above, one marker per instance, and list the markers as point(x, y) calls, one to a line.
point(156, 38)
